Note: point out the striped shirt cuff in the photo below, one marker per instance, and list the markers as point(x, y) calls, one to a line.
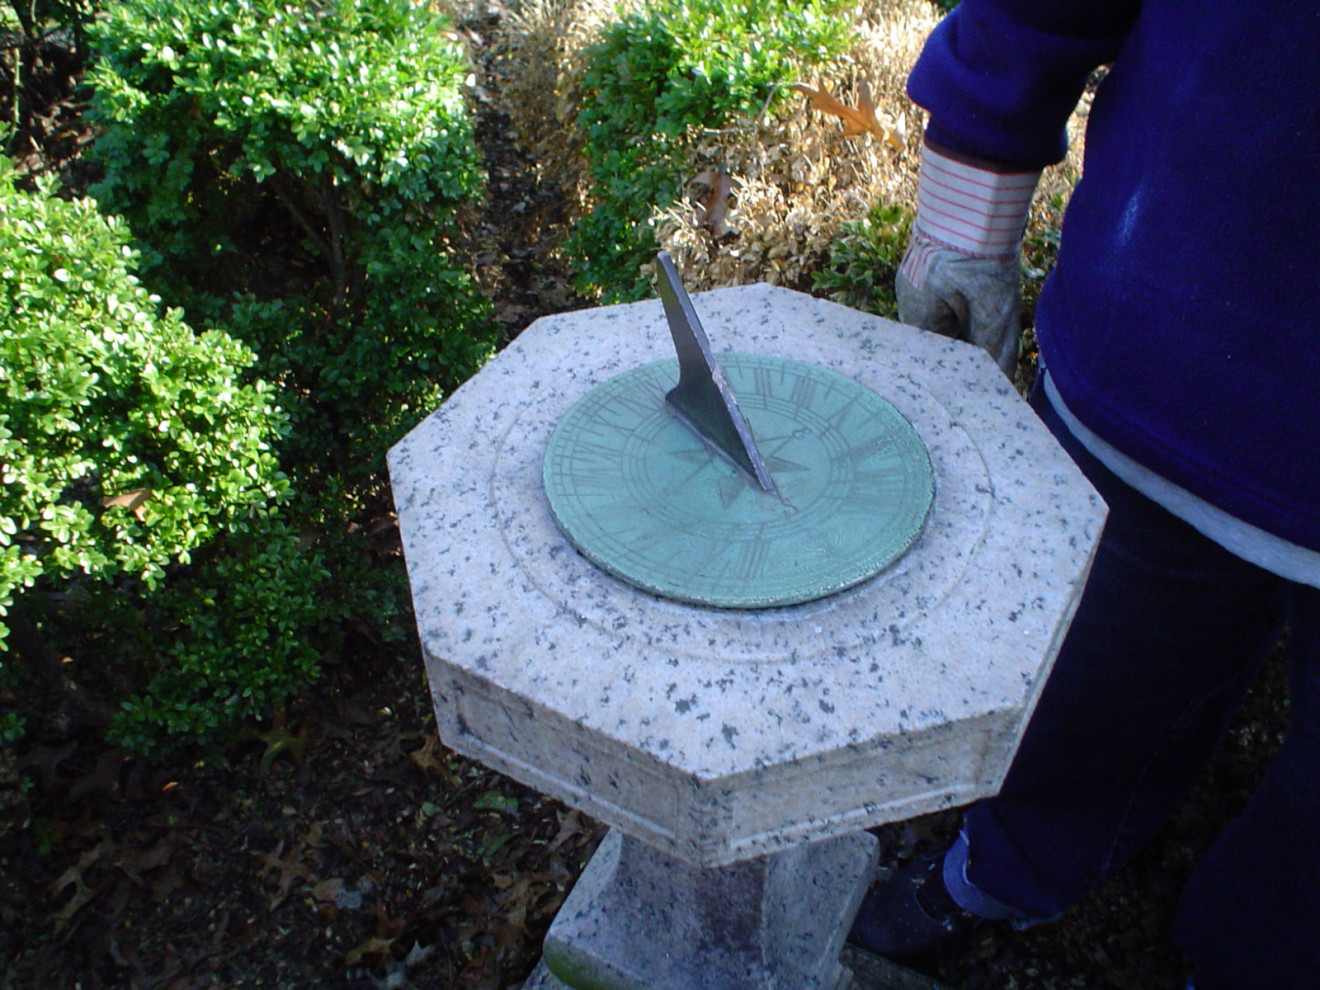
point(973, 209)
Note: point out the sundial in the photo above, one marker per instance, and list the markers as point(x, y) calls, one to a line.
point(704, 676)
point(744, 481)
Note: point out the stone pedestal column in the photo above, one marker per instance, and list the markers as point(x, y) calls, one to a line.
point(640, 920)
point(744, 752)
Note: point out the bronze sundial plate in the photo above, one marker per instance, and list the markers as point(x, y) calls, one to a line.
point(642, 496)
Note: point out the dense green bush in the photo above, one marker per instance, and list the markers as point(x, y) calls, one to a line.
point(238, 643)
point(127, 440)
point(654, 82)
point(864, 259)
point(292, 172)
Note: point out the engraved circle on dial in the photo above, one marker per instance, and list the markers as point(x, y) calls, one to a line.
point(640, 495)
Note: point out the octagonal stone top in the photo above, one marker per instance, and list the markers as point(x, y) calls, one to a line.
point(712, 734)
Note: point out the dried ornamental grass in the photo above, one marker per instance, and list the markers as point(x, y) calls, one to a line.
point(546, 44)
point(767, 196)
point(796, 178)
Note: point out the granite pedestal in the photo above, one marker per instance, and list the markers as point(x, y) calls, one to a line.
point(770, 921)
point(708, 738)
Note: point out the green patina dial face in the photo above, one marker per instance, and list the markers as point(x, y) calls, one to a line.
point(642, 495)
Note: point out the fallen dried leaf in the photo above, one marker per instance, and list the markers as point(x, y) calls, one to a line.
point(860, 119)
point(74, 873)
point(428, 758)
point(289, 870)
point(135, 862)
point(715, 207)
point(280, 740)
point(132, 501)
point(418, 954)
point(373, 946)
point(82, 893)
point(328, 891)
point(570, 826)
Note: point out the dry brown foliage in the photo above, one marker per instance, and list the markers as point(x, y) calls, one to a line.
point(546, 44)
point(767, 195)
point(797, 176)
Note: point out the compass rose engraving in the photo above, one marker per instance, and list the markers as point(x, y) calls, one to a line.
point(650, 497)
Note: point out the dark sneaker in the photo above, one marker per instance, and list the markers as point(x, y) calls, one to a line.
point(911, 919)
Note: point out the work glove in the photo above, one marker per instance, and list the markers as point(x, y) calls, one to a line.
point(959, 276)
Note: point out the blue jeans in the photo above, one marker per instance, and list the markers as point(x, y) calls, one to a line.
point(1169, 634)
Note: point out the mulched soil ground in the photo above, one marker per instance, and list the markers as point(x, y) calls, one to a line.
point(342, 846)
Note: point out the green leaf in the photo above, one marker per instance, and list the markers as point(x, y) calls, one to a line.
point(495, 801)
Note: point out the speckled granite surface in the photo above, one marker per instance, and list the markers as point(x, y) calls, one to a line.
point(716, 736)
point(639, 919)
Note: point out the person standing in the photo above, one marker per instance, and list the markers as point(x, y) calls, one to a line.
point(1179, 345)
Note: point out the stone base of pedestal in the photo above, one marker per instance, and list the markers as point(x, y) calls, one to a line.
point(868, 973)
point(873, 973)
point(640, 920)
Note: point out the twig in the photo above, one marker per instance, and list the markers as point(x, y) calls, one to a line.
point(330, 203)
point(756, 121)
point(312, 234)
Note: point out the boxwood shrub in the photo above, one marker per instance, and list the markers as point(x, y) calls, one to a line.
point(292, 171)
point(293, 176)
point(128, 440)
point(660, 77)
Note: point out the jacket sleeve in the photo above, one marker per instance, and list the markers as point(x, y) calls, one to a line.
point(1000, 77)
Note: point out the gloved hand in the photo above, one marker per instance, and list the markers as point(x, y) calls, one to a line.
point(959, 276)
point(963, 296)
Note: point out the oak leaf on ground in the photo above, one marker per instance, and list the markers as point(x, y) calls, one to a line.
point(860, 119)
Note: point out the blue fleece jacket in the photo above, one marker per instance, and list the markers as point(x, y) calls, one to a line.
point(1182, 322)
